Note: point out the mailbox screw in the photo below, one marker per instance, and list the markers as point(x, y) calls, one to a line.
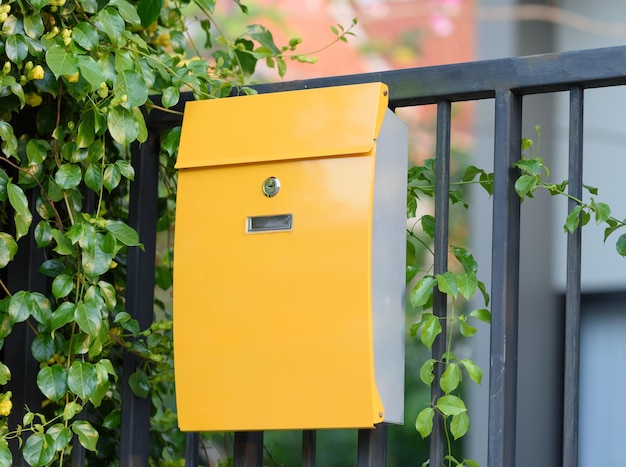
point(380, 414)
point(384, 94)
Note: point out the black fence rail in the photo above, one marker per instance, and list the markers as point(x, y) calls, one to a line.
point(505, 80)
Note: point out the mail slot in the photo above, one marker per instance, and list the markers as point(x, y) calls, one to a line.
point(289, 261)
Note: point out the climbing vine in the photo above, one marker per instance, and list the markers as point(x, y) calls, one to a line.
point(460, 284)
point(77, 80)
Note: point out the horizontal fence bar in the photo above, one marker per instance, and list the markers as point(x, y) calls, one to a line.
point(469, 81)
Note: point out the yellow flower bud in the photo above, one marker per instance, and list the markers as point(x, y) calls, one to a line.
point(33, 99)
point(6, 69)
point(6, 8)
point(3, 17)
point(72, 78)
point(36, 73)
point(5, 408)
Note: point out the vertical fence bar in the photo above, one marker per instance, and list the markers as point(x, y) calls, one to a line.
point(135, 438)
point(504, 281)
point(442, 203)
point(23, 274)
point(248, 449)
point(309, 442)
point(572, 294)
point(192, 446)
point(372, 447)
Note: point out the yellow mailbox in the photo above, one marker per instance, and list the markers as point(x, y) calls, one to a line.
point(289, 261)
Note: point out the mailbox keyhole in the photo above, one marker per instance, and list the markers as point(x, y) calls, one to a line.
point(271, 187)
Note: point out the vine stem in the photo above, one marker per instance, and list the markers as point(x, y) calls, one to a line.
point(4, 287)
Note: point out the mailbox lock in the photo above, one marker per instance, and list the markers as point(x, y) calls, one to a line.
point(271, 187)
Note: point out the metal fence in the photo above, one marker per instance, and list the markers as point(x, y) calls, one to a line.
point(505, 80)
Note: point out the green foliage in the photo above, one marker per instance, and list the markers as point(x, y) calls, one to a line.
point(460, 283)
point(77, 80)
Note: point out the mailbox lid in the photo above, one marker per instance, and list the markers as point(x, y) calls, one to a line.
point(282, 126)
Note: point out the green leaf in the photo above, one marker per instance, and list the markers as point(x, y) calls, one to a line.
point(111, 23)
point(459, 425)
point(471, 463)
point(52, 382)
point(9, 141)
point(428, 225)
point(71, 409)
point(91, 71)
point(63, 315)
point(6, 458)
point(263, 36)
point(466, 330)
point(43, 347)
point(467, 284)
point(447, 283)
point(148, 11)
point(22, 217)
point(482, 314)
point(621, 245)
point(245, 58)
point(16, 48)
point(122, 125)
point(470, 173)
point(126, 169)
point(483, 291)
point(112, 177)
point(82, 379)
point(431, 329)
point(127, 11)
point(591, 189)
point(87, 434)
point(170, 97)
point(33, 26)
point(473, 370)
point(20, 306)
point(60, 62)
point(450, 405)
point(61, 436)
point(43, 234)
point(38, 4)
point(573, 219)
point(466, 259)
point(5, 374)
point(38, 449)
point(123, 233)
point(8, 248)
point(142, 129)
point(450, 378)
point(424, 422)
point(426, 371)
point(422, 290)
point(68, 176)
point(62, 285)
point(526, 185)
point(602, 211)
point(139, 383)
point(37, 150)
point(93, 177)
point(86, 35)
point(88, 319)
point(112, 419)
point(131, 84)
point(108, 294)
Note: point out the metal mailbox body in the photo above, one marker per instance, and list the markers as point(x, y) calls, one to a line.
point(289, 261)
